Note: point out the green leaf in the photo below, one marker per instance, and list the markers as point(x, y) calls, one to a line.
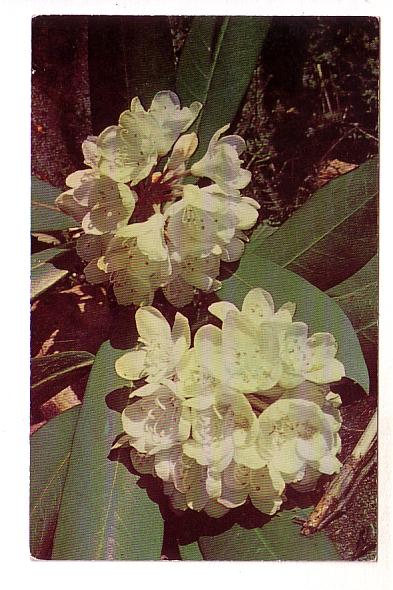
point(318, 310)
point(43, 273)
point(216, 66)
point(48, 369)
point(45, 216)
point(104, 514)
point(333, 234)
point(190, 552)
point(128, 56)
point(278, 539)
point(358, 297)
point(50, 449)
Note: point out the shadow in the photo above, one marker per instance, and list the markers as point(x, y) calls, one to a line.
point(123, 332)
point(118, 399)
point(349, 391)
point(77, 318)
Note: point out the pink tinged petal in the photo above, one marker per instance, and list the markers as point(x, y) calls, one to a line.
point(308, 481)
point(178, 501)
point(76, 178)
point(131, 365)
point(163, 464)
point(93, 274)
point(286, 308)
point(236, 142)
point(152, 325)
point(312, 449)
point(221, 308)
point(134, 418)
point(136, 105)
point(246, 214)
point(249, 456)
point(286, 459)
point(69, 206)
point(334, 370)
point(329, 465)
point(131, 290)
point(145, 390)
point(184, 424)
point(214, 509)
point(178, 292)
point(263, 494)
point(231, 497)
point(181, 329)
point(202, 400)
point(183, 149)
point(89, 247)
point(213, 484)
point(142, 463)
point(258, 304)
point(89, 227)
point(233, 251)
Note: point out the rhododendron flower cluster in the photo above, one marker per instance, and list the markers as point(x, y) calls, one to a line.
point(145, 225)
point(237, 415)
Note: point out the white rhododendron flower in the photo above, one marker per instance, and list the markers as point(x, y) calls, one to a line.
point(161, 351)
point(295, 433)
point(264, 486)
point(156, 422)
point(236, 415)
point(221, 162)
point(135, 191)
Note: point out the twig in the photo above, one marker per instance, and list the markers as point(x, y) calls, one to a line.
point(45, 205)
point(343, 486)
point(319, 69)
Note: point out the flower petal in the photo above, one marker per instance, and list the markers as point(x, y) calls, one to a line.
point(131, 365)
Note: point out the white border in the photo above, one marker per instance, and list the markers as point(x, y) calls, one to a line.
point(18, 568)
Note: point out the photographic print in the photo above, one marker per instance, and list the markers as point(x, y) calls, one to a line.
point(204, 288)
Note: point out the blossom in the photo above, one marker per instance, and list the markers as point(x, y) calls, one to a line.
point(160, 352)
point(128, 151)
point(221, 162)
point(264, 486)
point(136, 189)
point(190, 273)
point(169, 119)
point(91, 248)
point(296, 434)
point(156, 422)
point(252, 356)
point(205, 221)
point(186, 488)
point(215, 435)
point(99, 204)
point(258, 307)
point(293, 358)
point(149, 236)
point(311, 358)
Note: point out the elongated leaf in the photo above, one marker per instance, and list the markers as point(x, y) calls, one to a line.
point(215, 68)
point(320, 312)
point(50, 450)
point(43, 273)
point(190, 552)
point(128, 56)
point(279, 539)
point(333, 234)
point(358, 297)
point(104, 514)
point(47, 370)
point(44, 214)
